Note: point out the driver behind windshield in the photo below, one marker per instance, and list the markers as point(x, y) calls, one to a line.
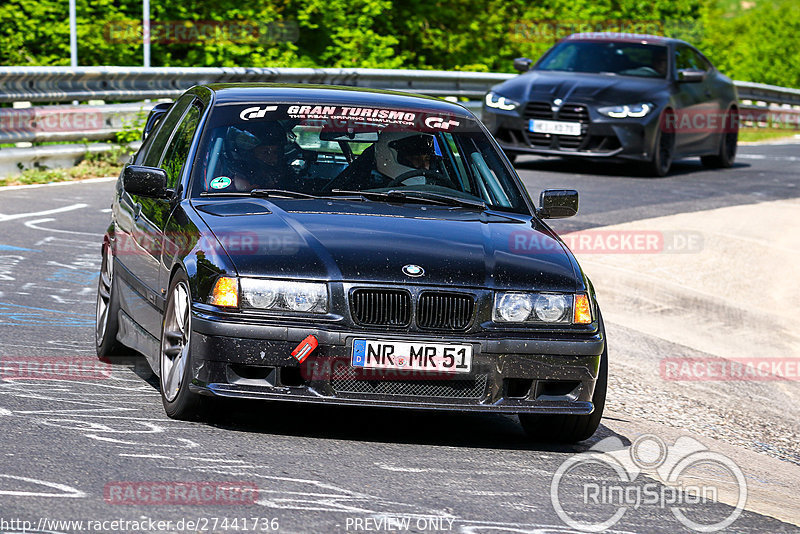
point(264, 165)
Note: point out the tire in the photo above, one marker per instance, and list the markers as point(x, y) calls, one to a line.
point(663, 151)
point(571, 428)
point(728, 141)
point(106, 323)
point(175, 359)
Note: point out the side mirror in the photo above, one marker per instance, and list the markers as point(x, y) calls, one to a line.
point(156, 114)
point(145, 181)
point(522, 64)
point(558, 203)
point(691, 75)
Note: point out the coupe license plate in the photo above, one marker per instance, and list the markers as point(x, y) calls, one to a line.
point(372, 354)
point(554, 127)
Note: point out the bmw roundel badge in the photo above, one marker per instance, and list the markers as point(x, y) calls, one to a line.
point(413, 270)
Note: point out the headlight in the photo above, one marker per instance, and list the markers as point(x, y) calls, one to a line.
point(281, 295)
point(542, 308)
point(493, 100)
point(623, 112)
point(513, 307)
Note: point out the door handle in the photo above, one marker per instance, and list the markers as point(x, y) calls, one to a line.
point(137, 211)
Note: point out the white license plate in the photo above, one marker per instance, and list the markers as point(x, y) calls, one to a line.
point(554, 127)
point(448, 358)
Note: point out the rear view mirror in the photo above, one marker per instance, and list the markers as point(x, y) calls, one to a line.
point(558, 203)
point(145, 181)
point(522, 64)
point(691, 75)
point(353, 137)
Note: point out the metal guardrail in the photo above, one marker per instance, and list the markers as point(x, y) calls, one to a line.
point(760, 103)
point(63, 84)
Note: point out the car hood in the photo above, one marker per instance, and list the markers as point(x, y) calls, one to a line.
point(372, 242)
point(599, 89)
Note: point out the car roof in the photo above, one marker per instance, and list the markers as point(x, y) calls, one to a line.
point(623, 38)
point(231, 93)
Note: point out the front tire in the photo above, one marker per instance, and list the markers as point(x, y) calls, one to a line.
point(728, 142)
point(571, 428)
point(175, 359)
point(663, 150)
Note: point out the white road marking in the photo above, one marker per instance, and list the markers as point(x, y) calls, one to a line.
point(32, 224)
point(66, 491)
point(72, 207)
point(152, 456)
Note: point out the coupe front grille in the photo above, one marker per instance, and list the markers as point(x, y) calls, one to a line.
point(573, 113)
point(567, 113)
point(448, 311)
point(538, 110)
point(467, 388)
point(381, 307)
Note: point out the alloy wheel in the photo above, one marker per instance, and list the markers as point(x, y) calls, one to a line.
point(175, 342)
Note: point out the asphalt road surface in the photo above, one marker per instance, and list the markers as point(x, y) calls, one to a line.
point(71, 448)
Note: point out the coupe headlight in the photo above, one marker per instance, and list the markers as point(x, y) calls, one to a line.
point(493, 100)
point(542, 308)
point(623, 112)
point(282, 295)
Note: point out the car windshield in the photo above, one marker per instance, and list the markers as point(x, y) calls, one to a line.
point(621, 58)
point(300, 150)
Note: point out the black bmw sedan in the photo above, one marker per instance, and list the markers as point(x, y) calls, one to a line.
point(333, 245)
point(637, 97)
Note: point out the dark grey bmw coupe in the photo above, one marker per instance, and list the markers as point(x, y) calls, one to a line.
point(634, 97)
point(333, 245)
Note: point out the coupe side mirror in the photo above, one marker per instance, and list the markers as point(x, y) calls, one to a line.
point(145, 181)
point(522, 64)
point(558, 203)
point(691, 75)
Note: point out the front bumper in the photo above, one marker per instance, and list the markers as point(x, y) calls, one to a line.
point(601, 136)
point(547, 375)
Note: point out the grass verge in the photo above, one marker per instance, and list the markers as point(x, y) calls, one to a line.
point(750, 135)
point(84, 170)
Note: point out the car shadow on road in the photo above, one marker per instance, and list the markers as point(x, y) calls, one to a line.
point(381, 425)
point(617, 169)
point(370, 425)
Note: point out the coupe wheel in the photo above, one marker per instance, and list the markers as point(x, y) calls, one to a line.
point(663, 151)
point(106, 309)
point(728, 141)
point(175, 360)
point(571, 428)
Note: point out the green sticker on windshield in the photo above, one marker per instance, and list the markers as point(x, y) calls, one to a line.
point(220, 182)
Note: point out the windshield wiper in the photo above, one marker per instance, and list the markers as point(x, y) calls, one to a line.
point(445, 199)
point(425, 196)
point(274, 193)
point(264, 193)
